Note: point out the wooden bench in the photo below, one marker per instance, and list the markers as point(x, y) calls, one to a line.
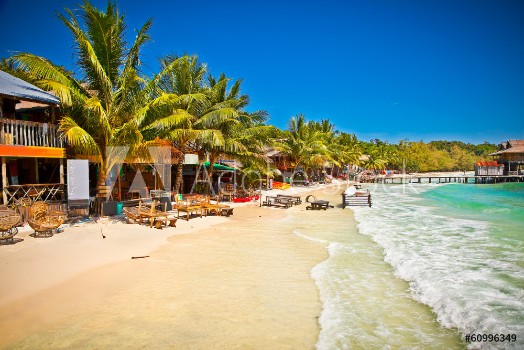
point(320, 204)
point(277, 202)
point(189, 206)
point(293, 199)
point(213, 207)
point(170, 220)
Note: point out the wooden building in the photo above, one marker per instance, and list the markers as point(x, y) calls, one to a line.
point(32, 154)
point(511, 155)
point(489, 168)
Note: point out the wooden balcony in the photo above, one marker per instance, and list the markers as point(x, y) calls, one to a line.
point(26, 133)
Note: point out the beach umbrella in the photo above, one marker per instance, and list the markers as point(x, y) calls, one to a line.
point(218, 166)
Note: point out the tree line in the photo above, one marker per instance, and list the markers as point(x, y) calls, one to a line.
point(108, 101)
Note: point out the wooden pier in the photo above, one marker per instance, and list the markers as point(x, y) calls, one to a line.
point(478, 179)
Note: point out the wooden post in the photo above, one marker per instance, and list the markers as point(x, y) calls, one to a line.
point(119, 187)
point(37, 175)
point(62, 171)
point(4, 178)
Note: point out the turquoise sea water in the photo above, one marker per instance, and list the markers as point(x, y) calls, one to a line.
point(428, 264)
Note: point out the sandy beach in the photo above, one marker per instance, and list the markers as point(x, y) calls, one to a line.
point(214, 282)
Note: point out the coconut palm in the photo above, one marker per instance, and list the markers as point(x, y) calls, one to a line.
point(106, 100)
point(243, 134)
point(175, 121)
point(303, 143)
point(347, 149)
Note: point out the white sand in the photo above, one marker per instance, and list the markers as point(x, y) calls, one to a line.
point(38, 263)
point(237, 282)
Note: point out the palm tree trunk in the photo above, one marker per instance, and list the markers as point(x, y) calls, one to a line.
point(209, 183)
point(179, 173)
point(101, 190)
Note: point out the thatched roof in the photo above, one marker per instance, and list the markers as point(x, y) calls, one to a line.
point(511, 146)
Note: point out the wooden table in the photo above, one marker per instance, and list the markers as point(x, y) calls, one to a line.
point(320, 204)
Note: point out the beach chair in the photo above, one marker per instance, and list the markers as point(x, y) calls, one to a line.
point(189, 206)
point(210, 207)
point(43, 221)
point(149, 211)
point(131, 214)
point(9, 219)
point(228, 194)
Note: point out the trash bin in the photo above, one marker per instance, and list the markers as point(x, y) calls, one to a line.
point(119, 207)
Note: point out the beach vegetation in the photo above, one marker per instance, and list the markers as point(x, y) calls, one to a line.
point(304, 144)
point(107, 101)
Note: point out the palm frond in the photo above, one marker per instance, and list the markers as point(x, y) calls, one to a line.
point(79, 139)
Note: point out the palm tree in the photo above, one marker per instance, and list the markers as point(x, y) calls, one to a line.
point(109, 101)
point(303, 143)
point(243, 134)
point(175, 121)
point(347, 149)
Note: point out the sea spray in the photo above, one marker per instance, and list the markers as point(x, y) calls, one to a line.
point(461, 248)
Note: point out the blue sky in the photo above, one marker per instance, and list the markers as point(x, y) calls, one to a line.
point(391, 69)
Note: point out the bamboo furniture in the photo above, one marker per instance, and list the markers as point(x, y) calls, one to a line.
point(131, 213)
point(150, 212)
point(190, 205)
point(216, 208)
point(8, 221)
point(43, 221)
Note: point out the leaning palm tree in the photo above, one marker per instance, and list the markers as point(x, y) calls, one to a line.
point(106, 100)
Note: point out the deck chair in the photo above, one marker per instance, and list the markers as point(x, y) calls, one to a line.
point(149, 211)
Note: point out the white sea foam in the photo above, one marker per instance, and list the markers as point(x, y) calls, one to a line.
point(453, 265)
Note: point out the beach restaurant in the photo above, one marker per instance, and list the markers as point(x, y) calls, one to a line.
point(511, 155)
point(32, 154)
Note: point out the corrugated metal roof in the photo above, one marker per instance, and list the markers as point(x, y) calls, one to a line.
point(14, 87)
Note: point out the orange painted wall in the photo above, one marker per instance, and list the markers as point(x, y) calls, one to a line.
point(32, 151)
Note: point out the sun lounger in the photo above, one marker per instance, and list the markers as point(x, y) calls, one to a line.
point(131, 213)
point(151, 213)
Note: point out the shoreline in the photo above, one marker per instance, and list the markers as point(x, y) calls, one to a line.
point(270, 283)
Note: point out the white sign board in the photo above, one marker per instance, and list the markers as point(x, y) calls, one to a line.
point(77, 179)
point(190, 158)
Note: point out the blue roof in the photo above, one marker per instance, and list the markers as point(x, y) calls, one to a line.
point(14, 87)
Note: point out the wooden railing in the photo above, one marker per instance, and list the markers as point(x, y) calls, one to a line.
point(25, 133)
point(15, 194)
